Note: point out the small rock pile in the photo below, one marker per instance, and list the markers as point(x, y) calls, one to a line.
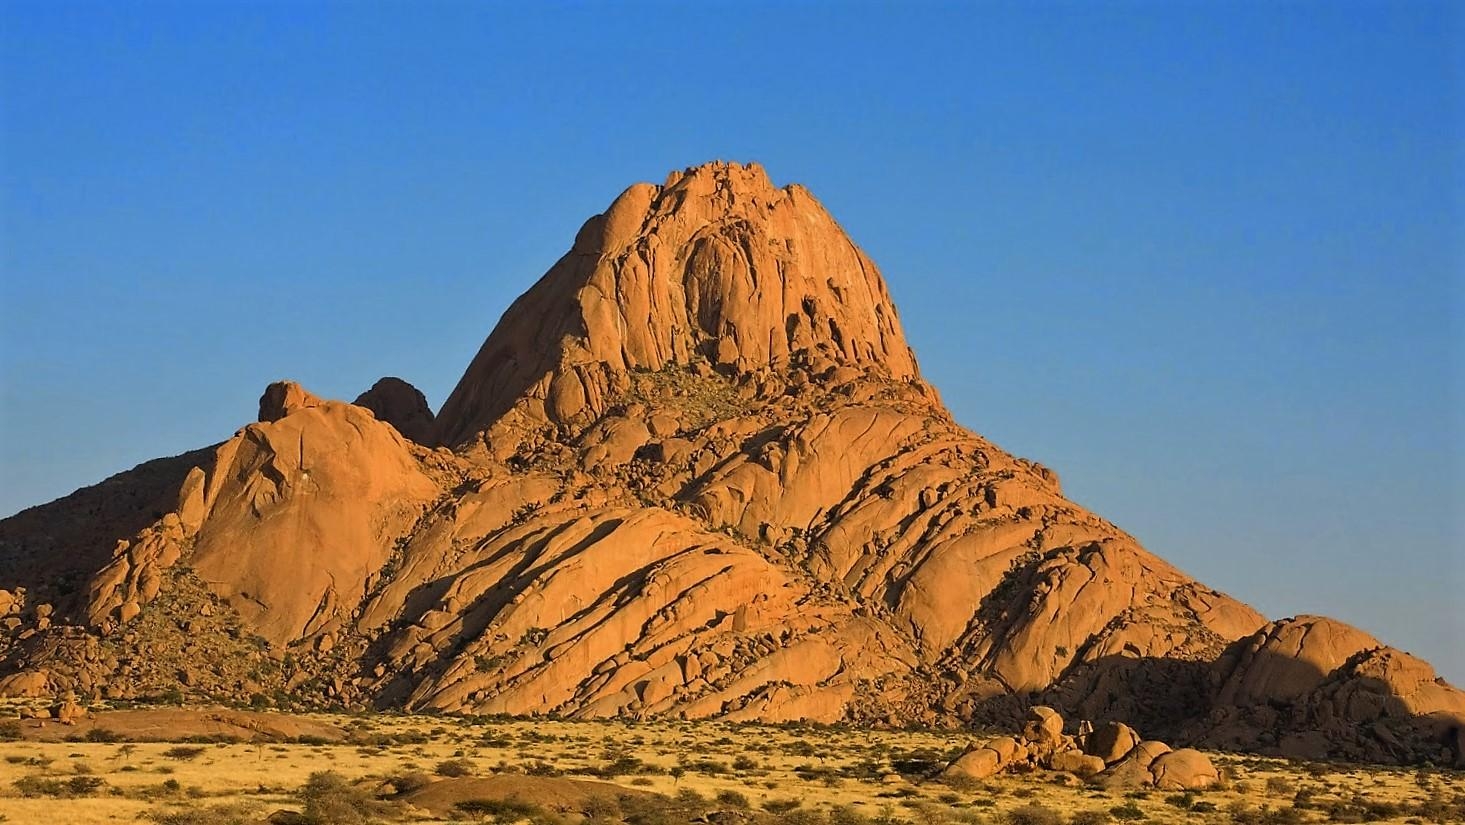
point(1112, 755)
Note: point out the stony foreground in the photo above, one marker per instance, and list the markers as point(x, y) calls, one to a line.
point(436, 769)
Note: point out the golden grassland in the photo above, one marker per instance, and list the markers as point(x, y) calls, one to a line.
point(709, 772)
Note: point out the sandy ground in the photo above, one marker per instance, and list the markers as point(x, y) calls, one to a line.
point(878, 773)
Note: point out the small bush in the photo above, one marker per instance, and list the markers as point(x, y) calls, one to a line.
point(455, 767)
point(1032, 814)
point(732, 799)
point(1090, 818)
point(503, 811)
point(1128, 812)
point(1280, 786)
point(213, 815)
point(331, 800)
point(184, 752)
point(35, 786)
point(10, 731)
point(847, 815)
point(409, 781)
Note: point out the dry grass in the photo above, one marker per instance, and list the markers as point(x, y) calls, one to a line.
point(786, 775)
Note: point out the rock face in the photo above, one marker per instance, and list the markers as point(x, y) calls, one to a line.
point(716, 265)
point(1313, 687)
point(402, 405)
point(693, 471)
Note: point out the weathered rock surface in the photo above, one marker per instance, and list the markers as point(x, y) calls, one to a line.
point(694, 471)
point(717, 264)
point(1184, 770)
point(1111, 742)
point(1311, 687)
point(402, 405)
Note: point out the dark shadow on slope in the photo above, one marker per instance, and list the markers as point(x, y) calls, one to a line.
point(52, 550)
point(524, 346)
point(1343, 715)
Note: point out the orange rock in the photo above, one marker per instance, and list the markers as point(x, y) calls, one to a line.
point(1184, 770)
point(282, 398)
point(694, 471)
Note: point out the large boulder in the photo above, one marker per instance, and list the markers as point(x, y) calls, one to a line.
point(1184, 770)
point(1111, 741)
point(1008, 748)
point(1133, 771)
point(282, 398)
point(402, 405)
point(1043, 727)
point(1076, 762)
point(979, 763)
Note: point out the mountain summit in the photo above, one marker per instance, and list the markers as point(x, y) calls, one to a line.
point(694, 471)
point(717, 266)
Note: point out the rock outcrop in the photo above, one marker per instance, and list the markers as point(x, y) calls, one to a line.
point(716, 265)
point(1312, 687)
point(1111, 756)
point(694, 471)
point(402, 405)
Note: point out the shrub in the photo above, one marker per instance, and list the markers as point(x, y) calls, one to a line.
point(213, 815)
point(778, 806)
point(1033, 814)
point(331, 800)
point(455, 767)
point(1090, 818)
point(500, 809)
point(409, 781)
point(184, 752)
point(1128, 812)
point(601, 808)
point(1280, 786)
point(34, 786)
point(1283, 816)
point(732, 798)
point(9, 731)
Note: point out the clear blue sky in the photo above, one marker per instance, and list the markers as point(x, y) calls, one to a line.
point(1203, 259)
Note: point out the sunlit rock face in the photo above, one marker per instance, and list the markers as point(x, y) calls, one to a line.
point(693, 471)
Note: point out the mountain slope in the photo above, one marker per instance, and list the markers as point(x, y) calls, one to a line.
point(693, 471)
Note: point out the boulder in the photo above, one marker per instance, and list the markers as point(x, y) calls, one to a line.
point(68, 712)
point(402, 405)
point(1076, 762)
point(1184, 770)
point(1008, 748)
point(1111, 741)
point(27, 684)
point(1133, 771)
point(1043, 727)
point(282, 398)
point(980, 763)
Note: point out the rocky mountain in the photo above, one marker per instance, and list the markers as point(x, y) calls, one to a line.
point(694, 471)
